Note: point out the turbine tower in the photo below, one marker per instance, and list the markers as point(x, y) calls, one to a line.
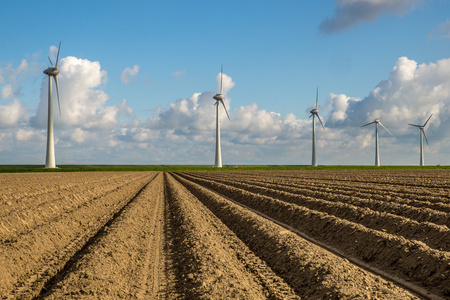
point(51, 72)
point(219, 99)
point(422, 131)
point(315, 112)
point(377, 152)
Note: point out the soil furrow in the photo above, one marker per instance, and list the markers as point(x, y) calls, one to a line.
point(433, 235)
point(122, 252)
point(212, 262)
point(25, 221)
point(407, 259)
point(331, 192)
point(310, 270)
point(45, 250)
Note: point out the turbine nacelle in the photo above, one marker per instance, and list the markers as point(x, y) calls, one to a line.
point(51, 71)
point(219, 97)
point(314, 111)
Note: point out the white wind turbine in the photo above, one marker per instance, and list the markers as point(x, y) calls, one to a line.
point(219, 99)
point(315, 112)
point(376, 122)
point(422, 131)
point(51, 72)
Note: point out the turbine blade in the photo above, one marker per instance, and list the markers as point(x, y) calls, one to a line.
point(317, 97)
point(367, 124)
point(423, 131)
point(385, 128)
point(221, 78)
point(57, 93)
point(414, 125)
point(310, 116)
point(427, 120)
point(50, 61)
point(318, 117)
point(57, 57)
point(225, 110)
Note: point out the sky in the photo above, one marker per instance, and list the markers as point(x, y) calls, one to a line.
point(137, 79)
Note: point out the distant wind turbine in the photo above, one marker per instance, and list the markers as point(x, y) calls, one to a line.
point(376, 122)
point(315, 112)
point(51, 72)
point(422, 131)
point(219, 99)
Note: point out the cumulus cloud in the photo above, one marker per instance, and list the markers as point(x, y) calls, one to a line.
point(129, 73)
point(410, 94)
point(193, 119)
point(92, 129)
point(11, 77)
point(11, 113)
point(83, 104)
point(227, 83)
point(7, 91)
point(24, 135)
point(349, 13)
point(441, 32)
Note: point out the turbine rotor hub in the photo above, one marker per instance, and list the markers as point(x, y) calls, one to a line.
point(314, 111)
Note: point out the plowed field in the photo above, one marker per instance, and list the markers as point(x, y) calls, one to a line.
point(379, 234)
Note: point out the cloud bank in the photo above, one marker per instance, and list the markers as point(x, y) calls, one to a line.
point(94, 129)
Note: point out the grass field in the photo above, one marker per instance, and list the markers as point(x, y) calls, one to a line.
point(118, 168)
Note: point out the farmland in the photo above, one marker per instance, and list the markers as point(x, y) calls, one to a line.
point(280, 234)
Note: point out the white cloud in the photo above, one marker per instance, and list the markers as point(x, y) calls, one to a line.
point(193, 120)
point(129, 73)
point(11, 113)
point(93, 130)
point(83, 104)
point(7, 91)
point(227, 83)
point(349, 13)
point(24, 135)
point(12, 77)
point(410, 94)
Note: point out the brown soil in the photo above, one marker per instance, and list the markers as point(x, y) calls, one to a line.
point(217, 235)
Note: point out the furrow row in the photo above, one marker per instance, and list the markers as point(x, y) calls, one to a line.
point(29, 261)
point(427, 226)
point(309, 269)
point(406, 258)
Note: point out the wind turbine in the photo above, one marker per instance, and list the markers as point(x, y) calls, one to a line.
point(315, 112)
point(422, 131)
point(51, 72)
point(376, 122)
point(219, 99)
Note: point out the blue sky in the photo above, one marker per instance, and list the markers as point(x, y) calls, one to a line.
point(140, 76)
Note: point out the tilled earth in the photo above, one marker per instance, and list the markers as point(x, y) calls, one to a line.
point(225, 235)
